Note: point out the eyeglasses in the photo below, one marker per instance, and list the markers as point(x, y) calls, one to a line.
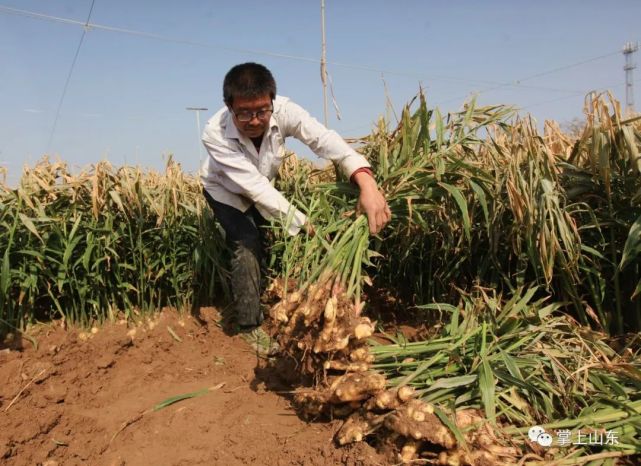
point(245, 116)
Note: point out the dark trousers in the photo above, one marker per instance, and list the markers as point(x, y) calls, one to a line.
point(245, 236)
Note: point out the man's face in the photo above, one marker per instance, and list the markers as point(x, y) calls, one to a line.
point(258, 109)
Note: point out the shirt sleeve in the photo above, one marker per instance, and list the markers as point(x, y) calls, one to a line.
point(239, 176)
point(325, 143)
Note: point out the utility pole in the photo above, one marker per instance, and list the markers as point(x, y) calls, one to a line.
point(323, 63)
point(200, 146)
point(628, 50)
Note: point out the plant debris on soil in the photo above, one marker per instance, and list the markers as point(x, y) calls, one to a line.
point(88, 398)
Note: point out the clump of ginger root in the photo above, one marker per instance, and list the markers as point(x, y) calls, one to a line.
point(324, 333)
point(322, 329)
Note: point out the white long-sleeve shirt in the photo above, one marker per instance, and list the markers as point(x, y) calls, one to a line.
point(236, 174)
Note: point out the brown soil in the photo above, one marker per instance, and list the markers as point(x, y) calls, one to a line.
point(66, 402)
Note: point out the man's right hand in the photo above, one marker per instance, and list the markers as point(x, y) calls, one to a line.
point(372, 202)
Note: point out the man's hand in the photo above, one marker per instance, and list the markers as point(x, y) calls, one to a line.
point(372, 202)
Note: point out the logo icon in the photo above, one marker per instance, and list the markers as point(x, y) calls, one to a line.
point(539, 435)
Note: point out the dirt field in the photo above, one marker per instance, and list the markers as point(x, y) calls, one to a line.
point(67, 402)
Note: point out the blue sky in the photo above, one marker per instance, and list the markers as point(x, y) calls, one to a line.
point(126, 98)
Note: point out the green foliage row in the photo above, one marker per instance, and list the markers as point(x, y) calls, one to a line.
point(480, 198)
point(88, 246)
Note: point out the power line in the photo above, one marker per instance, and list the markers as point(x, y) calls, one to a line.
point(601, 89)
point(148, 35)
point(565, 97)
point(517, 82)
point(565, 67)
point(66, 86)
point(417, 75)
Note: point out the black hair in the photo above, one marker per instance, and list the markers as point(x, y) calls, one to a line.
point(248, 80)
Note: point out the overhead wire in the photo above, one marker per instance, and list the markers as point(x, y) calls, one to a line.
point(600, 89)
point(565, 67)
point(68, 80)
point(494, 85)
point(148, 35)
point(418, 75)
point(517, 82)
